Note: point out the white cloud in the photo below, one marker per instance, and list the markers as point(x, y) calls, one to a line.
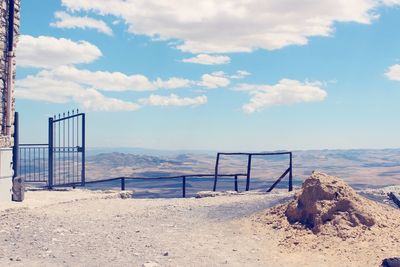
point(49, 52)
point(67, 84)
point(222, 26)
point(173, 83)
point(286, 92)
point(214, 80)
point(93, 100)
point(101, 80)
point(206, 59)
point(68, 21)
point(391, 2)
point(394, 72)
point(119, 82)
point(240, 74)
point(53, 90)
point(61, 92)
point(173, 100)
point(60, 81)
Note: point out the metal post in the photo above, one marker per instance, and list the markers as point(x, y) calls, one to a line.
point(123, 184)
point(51, 158)
point(216, 173)
point(248, 173)
point(291, 173)
point(18, 181)
point(236, 183)
point(16, 145)
point(183, 186)
point(83, 149)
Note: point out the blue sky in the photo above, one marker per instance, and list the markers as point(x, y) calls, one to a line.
point(326, 75)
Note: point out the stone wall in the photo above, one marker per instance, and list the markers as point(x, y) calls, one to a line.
point(4, 140)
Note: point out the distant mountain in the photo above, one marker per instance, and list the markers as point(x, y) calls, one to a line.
point(359, 167)
point(115, 164)
point(117, 159)
point(145, 151)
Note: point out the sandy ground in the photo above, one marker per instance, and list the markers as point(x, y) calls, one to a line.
point(81, 228)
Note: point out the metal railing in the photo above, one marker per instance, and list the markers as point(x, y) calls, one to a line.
point(183, 178)
point(33, 162)
point(215, 175)
point(250, 156)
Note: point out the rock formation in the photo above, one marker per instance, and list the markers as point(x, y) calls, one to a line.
point(328, 201)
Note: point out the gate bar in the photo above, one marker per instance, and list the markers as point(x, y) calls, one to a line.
point(16, 159)
point(50, 176)
point(83, 149)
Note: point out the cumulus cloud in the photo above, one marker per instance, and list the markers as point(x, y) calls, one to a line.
point(173, 83)
point(67, 84)
point(119, 82)
point(61, 92)
point(240, 74)
point(101, 80)
point(285, 92)
point(53, 90)
point(391, 2)
point(67, 21)
point(393, 73)
point(222, 26)
point(214, 80)
point(50, 52)
point(60, 81)
point(206, 59)
point(173, 100)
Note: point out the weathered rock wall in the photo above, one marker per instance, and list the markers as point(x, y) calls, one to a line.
point(4, 140)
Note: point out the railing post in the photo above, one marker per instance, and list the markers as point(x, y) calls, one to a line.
point(248, 173)
point(183, 186)
point(291, 173)
point(50, 169)
point(123, 183)
point(17, 181)
point(236, 183)
point(16, 145)
point(216, 173)
point(83, 150)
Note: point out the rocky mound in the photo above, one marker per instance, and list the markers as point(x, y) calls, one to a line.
point(327, 207)
point(326, 201)
point(328, 218)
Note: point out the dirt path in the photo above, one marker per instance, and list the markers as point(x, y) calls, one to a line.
point(102, 230)
point(115, 232)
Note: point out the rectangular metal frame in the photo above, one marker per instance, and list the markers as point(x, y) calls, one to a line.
point(248, 173)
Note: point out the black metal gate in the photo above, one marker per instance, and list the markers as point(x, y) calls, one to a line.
point(60, 162)
point(67, 149)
